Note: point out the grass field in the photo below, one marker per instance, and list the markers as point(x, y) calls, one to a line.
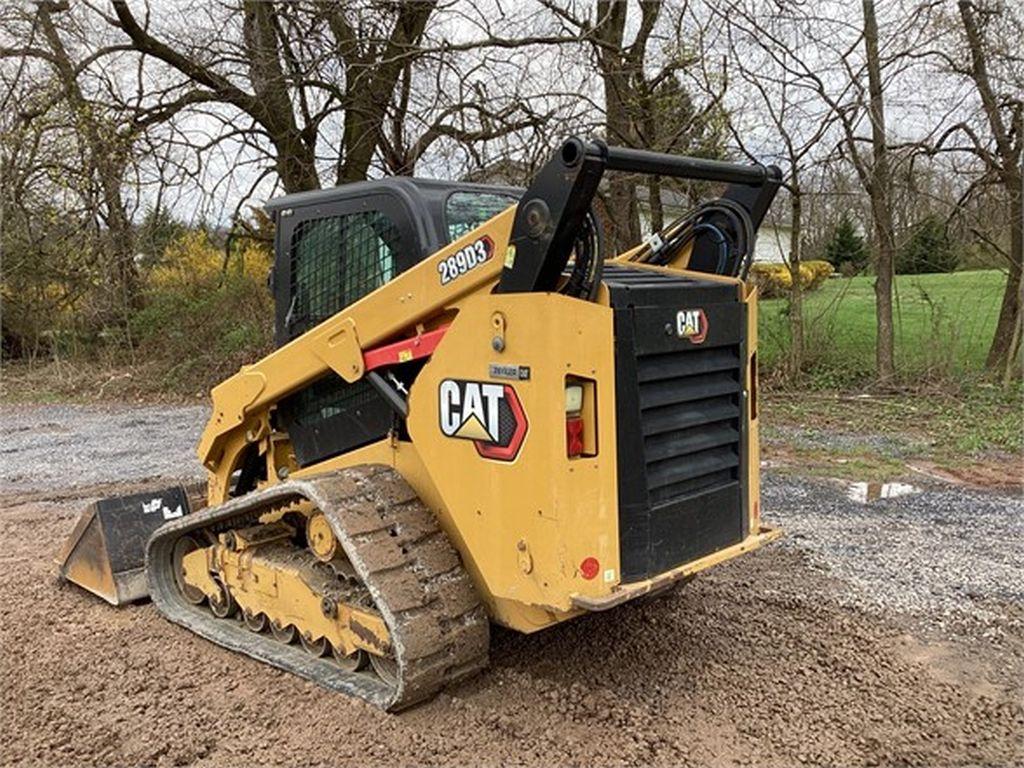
point(944, 325)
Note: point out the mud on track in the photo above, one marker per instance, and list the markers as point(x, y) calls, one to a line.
point(770, 660)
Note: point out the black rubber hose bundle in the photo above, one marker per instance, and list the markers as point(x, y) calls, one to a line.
point(740, 231)
point(587, 267)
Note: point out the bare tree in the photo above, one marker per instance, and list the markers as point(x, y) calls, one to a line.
point(877, 180)
point(321, 87)
point(998, 142)
point(853, 86)
point(99, 127)
point(799, 123)
point(645, 104)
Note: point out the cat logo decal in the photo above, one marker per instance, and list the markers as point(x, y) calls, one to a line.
point(489, 414)
point(692, 324)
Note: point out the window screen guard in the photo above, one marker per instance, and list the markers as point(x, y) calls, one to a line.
point(337, 260)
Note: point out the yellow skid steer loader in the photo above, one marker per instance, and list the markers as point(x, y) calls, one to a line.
point(472, 416)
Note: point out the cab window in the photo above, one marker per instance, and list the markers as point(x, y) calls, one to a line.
point(465, 211)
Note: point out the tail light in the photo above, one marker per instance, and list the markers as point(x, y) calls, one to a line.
point(574, 436)
point(574, 443)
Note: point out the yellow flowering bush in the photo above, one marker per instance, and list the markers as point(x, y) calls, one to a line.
point(192, 259)
point(203, 318)
point(774, 280)
point(820, 272)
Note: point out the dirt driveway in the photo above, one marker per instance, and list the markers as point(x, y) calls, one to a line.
point(881, 632)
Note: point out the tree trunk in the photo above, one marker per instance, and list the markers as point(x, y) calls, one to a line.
point(295, 163)
point(1006, 163)
point(885, 249)
point(622, 207)
point(657, 209)
point(796, 291)
point(369, 84)
point(648, 118)
point(296, 157)
point(121, 268)
point(1010, 309)
point(880, 191)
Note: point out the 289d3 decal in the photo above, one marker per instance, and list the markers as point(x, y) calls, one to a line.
point(465, 259)
point(489, 414)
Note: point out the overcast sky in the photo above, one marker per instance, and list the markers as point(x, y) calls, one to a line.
point(561, 79)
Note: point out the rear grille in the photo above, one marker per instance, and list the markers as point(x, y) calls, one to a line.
point(680, 423)
point(689, 420)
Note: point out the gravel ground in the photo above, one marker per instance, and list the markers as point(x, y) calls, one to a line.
point(941, 554)
point(896, 447)
point(60, 446)
point(880, 633)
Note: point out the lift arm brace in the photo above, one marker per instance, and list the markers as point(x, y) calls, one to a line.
point(553, 209)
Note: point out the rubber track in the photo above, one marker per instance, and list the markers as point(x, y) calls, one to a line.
point(439, 631)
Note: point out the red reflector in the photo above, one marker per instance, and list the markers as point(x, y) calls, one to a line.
point(589, 568)
point(573, 436)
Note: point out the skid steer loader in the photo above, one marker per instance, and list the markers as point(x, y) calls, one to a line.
point(471, 416)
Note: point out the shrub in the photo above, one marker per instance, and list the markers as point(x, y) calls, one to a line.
point(53, 298)
point(806, 276)
point(775, 280)
point(771, 280)
point(820, 272)
point(846, 250)
point(156, 232)
point(979, 255)
point(200, 320)
point(928, 249)
point(191, 260)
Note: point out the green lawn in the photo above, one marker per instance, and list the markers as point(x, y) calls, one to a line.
point(944, 324)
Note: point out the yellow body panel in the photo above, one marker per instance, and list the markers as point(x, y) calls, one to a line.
point(415, 296)
point(526, 524)
point(523, 527)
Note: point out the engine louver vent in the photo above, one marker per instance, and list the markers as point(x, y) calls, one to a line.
point(680, 420)
point(689, 413)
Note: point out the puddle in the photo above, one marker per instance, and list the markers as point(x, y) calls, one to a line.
point(865, 492)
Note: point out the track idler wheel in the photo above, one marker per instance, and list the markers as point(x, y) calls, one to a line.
point(320, 537)
point(182, 547)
